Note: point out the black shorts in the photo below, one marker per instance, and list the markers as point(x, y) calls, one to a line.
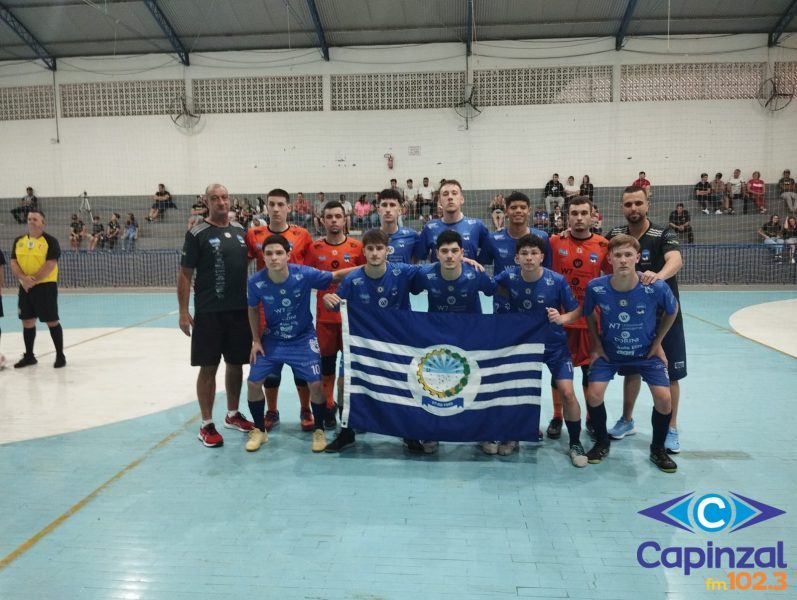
point(674, 346)
point(1, 303)
point(40, 301)
point(222, 333)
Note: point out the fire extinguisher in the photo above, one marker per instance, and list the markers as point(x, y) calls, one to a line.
point(389, 158)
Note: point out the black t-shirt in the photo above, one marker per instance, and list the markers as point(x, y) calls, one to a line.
point(679, 219)
point(77, 226)
point(218, 256)
point(97, 228)
point(702, 186)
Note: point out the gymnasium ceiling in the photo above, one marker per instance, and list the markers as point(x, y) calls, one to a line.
point(53, 29)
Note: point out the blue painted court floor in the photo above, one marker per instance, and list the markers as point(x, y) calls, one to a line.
point(138, 509)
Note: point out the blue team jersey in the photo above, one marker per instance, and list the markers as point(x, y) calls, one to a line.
point(401, 245)
point(628, 319)
point(550, 290)
point(392, 290)
point(458, 296)
point(473, 231)
point(287, 304)
point(500, 250)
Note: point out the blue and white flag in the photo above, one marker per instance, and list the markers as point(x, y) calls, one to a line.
point(445, 377)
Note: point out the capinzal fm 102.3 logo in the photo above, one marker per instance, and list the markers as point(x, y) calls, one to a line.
point(713, 514)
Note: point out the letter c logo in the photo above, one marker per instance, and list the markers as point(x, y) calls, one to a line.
point(712, 513)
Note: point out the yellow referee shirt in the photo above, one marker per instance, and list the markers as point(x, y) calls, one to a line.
point(31, 254)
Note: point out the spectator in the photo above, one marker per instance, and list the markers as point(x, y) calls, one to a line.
point(410, 200)
point(571, 190)
point(498, 211)
point(161, 201)
point(348, 209)
point(113, 231)
point(788, 192)
point(680, 222)
point(717, 194)
point(790, 236)
point(642, 182)
point(597, 220)
point(756, 188)
point(556, 214)
point(540, 218)
point(130, 235)
point(734, 190)
point(362, 213)
point(703, 193)
point(772, 233)
point(98, 236)
point(374, 217)
point(245, 216)
point(318, 212)
point(426, 196)
point(301, 213)
point(587, 189)
point(77, 231)
point(198, 213)
point(558, 225)
point(553, 191)
point(28, 203)
point(394, 186)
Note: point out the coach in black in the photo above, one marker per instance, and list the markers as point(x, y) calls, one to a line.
point(34, 262)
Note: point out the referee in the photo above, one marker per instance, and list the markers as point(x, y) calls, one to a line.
point(34, 262)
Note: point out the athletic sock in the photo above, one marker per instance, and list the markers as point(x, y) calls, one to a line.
point(257, 409)
point(598, 419)
point(660, 423)
point(319, 412)
point(271, 398)
point(304, 397)
point(28, 335)
point(328, 383)
point(574, 431)
point(558, 409)
point(57, 333)
point(206, 422)
point(232, 413)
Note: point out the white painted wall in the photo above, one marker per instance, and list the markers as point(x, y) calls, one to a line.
point(505, 147)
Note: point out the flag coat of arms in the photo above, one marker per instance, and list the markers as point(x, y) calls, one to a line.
point(445, 377)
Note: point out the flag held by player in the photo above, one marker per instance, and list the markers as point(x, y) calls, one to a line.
point(433, 376)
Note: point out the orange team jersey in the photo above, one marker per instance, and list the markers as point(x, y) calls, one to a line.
point(328, 257)
point(298, 237)
point(579, 261)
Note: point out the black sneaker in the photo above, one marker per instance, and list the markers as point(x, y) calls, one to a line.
point(345, 439)
point(597, 453)
point(554, 428)
point(414, 446)
point(660, 458)
point(330, 420)
point(26, 361)
point(590, 430)
point(60, 361)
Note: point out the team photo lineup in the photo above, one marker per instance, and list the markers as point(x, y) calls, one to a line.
point(610, 307)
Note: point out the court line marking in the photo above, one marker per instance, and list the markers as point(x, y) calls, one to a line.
point(75, 508)
point(734, 332)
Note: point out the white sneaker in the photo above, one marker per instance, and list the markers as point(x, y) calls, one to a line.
point(429, 447)
point(577, 456)
point(319, 440)
point(507, 448)
point(256, 439)
point(717, 212)
point(489, 447)
point(705, 211)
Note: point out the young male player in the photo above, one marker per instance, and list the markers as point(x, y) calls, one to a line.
point(283, 291)
point(334, 251)
point(379, 284)
point(630, 338)
point(532, 288)
point(278, 206)
point(402, 240)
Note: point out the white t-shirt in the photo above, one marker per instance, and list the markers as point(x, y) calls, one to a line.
point(426, 192)
point(736, 186)
point(347, 207)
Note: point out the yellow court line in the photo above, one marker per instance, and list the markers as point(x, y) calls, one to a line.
point(35, 539)
point(741, 335)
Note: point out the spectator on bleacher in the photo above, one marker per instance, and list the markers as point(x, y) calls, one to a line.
point(301, 213)
point(540, 218)
point(788, 191)
point(113, 230)
point(98, 236)
point(642, 182)
point(411, 200)
point(362, 213)
point(586, 189)
point(245, 217)
point(130, 234)
point(161, 201)
point(348, 210)
point(426, 200)
point(703, 193)
point(498, 211)
point(756, 188)
point(198, 213)
point(28, 203)
point(790, 236)
point(717, 194)
point(77, 231)
point(734, 190)
point(553, 192)
point(394, 186)
point(556, 214)
point(318, 212)
point(571, 190)
point(557, 225)
point(597, 220)
point(772, 233)
point(681, 222)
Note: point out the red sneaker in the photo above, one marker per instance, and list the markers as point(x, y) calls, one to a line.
point(307, 420)
point(272, 419)
point(210, 437)
point(239, 422)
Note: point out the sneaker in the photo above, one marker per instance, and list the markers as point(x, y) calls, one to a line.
point(239, 422)
point(25, 361)
point(622, 428)
point(554, 428)
point(590, 429)
point(597, 453)
point(306, 420)
point(272, 419)
point(762, 211)
point(345, 439)
point(731, 212)
point(489, 447)
point(256, 439)
point(671, 444)
point(60, 361)
point(507, 448)
point(577, 455)
point(662, 460)
point(718, 212)
point(413, 446)
point(210, 437)
point(330, 420)
point(705, 211)
point(791, 261)
point(430, 446)
point(319, 440)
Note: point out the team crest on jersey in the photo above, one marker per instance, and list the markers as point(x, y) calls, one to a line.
point(298, 277)
point(648, 289)
point(646, 254)
point(240, 238)
point(503, 252)
point(215, 242)
point(563, 252)
point(549, 281)
point(470, 276)
point(540, 299)
point(640, 309)
point(322, 258)
point(593, 258)
point(347, 257)
point(314, 345)
point(396, 271)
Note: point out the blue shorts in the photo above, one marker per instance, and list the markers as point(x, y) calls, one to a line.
point(652, 370)
point(559, 362)
point(674, 346)
point(300, 354)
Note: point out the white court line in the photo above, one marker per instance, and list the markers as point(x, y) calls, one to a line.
point(773, 324)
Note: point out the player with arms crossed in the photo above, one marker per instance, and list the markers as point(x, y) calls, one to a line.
point(630, 338)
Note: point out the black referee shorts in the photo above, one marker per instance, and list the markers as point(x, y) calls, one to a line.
point(41, 302)
point(223, 333)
